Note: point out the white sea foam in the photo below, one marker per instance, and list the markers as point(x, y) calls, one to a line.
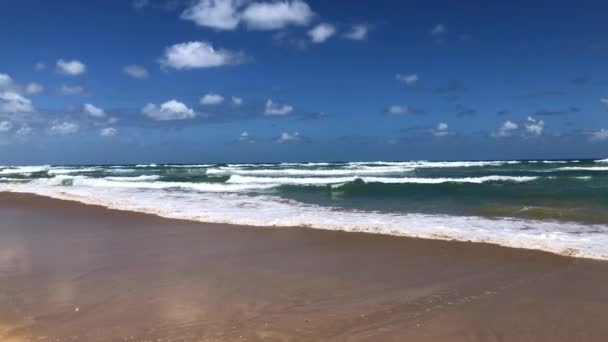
point(63, 182)
point(65, 171)
point(236, 179)
point(308, 172)
point(441, 164)
point(584, 168)
point(133, 179)
point(602, 160)
point(558, 237)
point(24, 169)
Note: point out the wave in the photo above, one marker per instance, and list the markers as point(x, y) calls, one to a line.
point(133, 179)
point(236, 179)
point(441, 164)
point(602, 160)
point(317, 172)
point(583, 168)
point(65, 171)
point(567, 238)
point(143, 183)
point(24, 169)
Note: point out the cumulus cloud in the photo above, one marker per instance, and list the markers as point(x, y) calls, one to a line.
point(140, 4)
point(108, 132)
point(33, 88)
point(441, 130)
point(277, 14)
point(39, 66)
point(5, 81)
point(276, 109)
point(212, 99)
point(599, 135)
point(63, 128)
point(357, 32)
point(506, 130)
point(73, 67)
point(170, 110)
point(245, 137)
point(216, 14)
point(535, 127)
point(407, 79)
point(24, 131)
point(5, 126)
point(93, 111)
point(438, 30)
point(398, 110)
point(12, 102)
point(70, 90)
point(321, 32)
point(237, 101)
point(286, 137)
point(226, 15)
point(199, 54)
point(135, 71)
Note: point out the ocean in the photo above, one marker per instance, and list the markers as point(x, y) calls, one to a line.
point(559, 206)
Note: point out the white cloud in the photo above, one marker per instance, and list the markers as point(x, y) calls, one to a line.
point(506, 130)
point(73, 68)
point(112, 120)
point(24, 131)
point(212, 99)
point(604, 101)
point(407, 79)
point(70, 90)
point(535, 127)
point(5, 126)
point(199, 54)
point(277, 14)
point(94, 111)
point(12, 102)
point(276, 109)
point(321, 32)
point(245, 137)
point(237, 101)
point(64, 128)
point(170, 110)
point(441, 130)
point(135, 71)
point(39, 66)
point(226, 15)
point(599, 135)
point(357, 32)
point(33, 88)
point(398, 109)
point(438, 30)
point(108, 132)
point(289, 137)
point(5, 81)
point(216, 14)
point(140, 4)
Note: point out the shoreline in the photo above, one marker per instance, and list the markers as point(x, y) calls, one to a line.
point(565, 252)
point(72, 271)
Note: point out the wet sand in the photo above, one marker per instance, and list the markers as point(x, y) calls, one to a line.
point(72, 272)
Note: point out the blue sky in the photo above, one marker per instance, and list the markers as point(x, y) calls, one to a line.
point(292, 80)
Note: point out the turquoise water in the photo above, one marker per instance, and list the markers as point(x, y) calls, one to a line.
point(562, 197)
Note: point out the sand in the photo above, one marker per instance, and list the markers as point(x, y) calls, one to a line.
point(72, 272)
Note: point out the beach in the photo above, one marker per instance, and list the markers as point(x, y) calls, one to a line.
point(75, 272)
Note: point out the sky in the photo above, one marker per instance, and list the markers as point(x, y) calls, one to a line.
point(169, 81)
